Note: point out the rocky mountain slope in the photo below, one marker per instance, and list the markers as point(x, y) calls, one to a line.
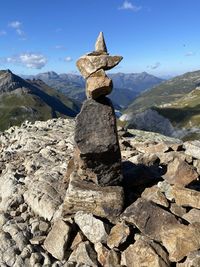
point(176, 100)
point(159, 223)
point(22, 100)
point(126, 86)
point(166, 92)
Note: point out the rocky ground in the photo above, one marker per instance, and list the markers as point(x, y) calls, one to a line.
point(159, 225)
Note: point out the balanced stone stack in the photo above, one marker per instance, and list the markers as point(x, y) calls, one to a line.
point(96, 164)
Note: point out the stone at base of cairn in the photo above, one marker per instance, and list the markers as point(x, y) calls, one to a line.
point(106, 202)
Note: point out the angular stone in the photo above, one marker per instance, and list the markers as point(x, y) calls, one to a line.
point(154, 194)
point(102, 253)
point(97, 156)
point(118, 235)
point(177, 210)
point(151, 147)
point(79, 238)
point(93, 228)
point(91, 63)
point(98, 84)
point(106, 202)
point(193, 260)
point(148, 217)
point(186, 197)
point(180, 240)
point(57, 240)
point(192, 148)
point(180, 172)
point(100, 45)
point(192, 216)
point(145, 252)
point(84, 254)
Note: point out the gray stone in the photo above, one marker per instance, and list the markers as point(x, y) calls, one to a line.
point(192, 148)
point(57, 239)
point(93, 228)
point(97, 156)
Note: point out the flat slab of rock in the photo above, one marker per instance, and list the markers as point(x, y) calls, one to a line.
point(148, 217)
point(106, 202)
point(145, 252)
point(192, 148)
point(180, 172)
point(97, 156)
point(89, 64)
point(93, 228)
point(180, 240)
point(154, 194)
point(185, 197)
point(57, 240)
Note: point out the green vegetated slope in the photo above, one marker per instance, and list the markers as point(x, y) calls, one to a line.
point(31, 100)
point(166, 92)
point(184, 112)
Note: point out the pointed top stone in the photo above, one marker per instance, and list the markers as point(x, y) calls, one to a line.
point(100, 45)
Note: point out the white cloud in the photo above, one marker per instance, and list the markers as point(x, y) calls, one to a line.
point(16, 25)
point(189, 54)
point(68, 59)
point(127, 5)
point(29, 60)
point(3, 33)
point(154, 66)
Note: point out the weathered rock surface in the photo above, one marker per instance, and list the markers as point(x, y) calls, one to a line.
point(118, 235)
point(33, 162)
point(57, 240)
point(98, 156)
point(193, 260)
point(148, 218)
point(89, 64)
point(100, 45)
point(93, 228)
point(180, 172)
point(84, 255)
point(192, 216)
point(145, 252)
point(106, 202)
point(192, 148)
point(98, 84)
point(180, 240)
point(186, 197)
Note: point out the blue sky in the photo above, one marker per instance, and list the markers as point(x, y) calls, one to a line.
point(161, 37)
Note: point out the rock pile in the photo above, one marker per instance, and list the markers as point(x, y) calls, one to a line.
point(83, 213)
point(158, 226)
point(96, 166)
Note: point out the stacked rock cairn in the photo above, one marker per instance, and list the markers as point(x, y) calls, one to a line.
point(94, 174)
